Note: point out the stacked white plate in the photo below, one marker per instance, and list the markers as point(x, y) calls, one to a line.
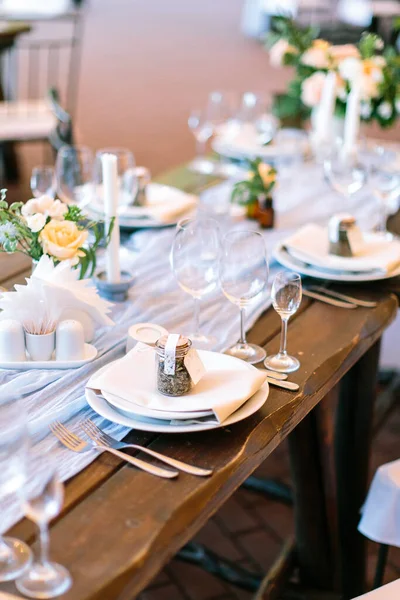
point(165, 206)
point(188, 413)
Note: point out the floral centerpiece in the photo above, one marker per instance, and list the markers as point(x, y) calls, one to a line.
point(44, 226)
point(374, 65)
point(256, 189)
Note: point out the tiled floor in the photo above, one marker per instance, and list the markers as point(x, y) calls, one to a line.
point(250, 529)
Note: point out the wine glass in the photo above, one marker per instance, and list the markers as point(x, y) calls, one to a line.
point(15, 556)
point(286, 298)
point(344, 173)
point(43, 181)
point(127, 177)
point(385, 184)
point(202, 129)
point(74, 173)
point(194, 261)
point(42, 498)
point(243, 275)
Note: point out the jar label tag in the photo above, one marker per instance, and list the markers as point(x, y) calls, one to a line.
point(194, 365)
point(170, 353)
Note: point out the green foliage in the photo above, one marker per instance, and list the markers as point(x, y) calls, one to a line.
point(74, 214)
point(248, 191)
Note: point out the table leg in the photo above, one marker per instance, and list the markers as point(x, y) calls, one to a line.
point(353, 434)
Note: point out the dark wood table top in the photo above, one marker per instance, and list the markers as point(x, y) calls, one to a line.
point(120, 526)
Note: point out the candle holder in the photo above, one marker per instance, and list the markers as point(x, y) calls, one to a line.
point(115, 292)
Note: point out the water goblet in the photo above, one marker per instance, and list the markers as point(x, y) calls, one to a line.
point(74, 173)
point(286, 298)
point(194, 261)
point(344, 173)
point(43, 181)
point(42, 498)
point(243, 276)
point(385, 185)
point(15, 556)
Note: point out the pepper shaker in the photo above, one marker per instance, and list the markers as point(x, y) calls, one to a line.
point(340, 229)
point(12, 341)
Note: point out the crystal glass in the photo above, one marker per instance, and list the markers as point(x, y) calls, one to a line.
point(15, 556)
point(286, 298)
point(194, 261)
point(344, 173)
point(42, 498)
point(74, 173)
point(202, 128)
point(385, 184)
point(243, 276)
point(253, 108)
point(43, 181)
point(127, 178)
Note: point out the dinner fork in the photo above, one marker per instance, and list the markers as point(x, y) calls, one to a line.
point(77, 444)
point(99, 436)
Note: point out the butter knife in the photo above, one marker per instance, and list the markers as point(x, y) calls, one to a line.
point(327, 299)
point(286, 385)
point(340, 296)
point(274, 374)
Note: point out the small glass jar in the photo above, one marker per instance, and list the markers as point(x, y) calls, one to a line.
point(179, 382)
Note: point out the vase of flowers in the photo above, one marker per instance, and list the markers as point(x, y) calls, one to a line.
point(44, 226)
point(375, 66)
point(255, 192)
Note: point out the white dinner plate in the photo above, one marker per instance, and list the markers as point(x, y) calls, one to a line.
point(105, 410)
point(294, 264)
point(90, 354)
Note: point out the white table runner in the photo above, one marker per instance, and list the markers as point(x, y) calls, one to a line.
point(156, 297)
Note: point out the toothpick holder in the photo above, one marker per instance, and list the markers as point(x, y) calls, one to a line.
point(114, 292)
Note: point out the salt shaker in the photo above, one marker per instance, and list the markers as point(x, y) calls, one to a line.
point(340, 228)
point(12, 341)
point(143, 178)
point(70, 341)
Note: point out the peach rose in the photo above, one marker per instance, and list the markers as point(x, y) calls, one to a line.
point(267, 174)
point(62, 239)
point(318, 55)
point(311, 89)
point(342, 51)
point(278, 50)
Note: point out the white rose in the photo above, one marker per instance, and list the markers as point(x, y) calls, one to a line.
point(44, 203)
point(57, 210)
point(30, 208)
point(311, 89)
point(36, 222)
point(351, 68)
point(365, 110)
point(278, 50)
point(385, 110)
point(397, 105)
point(379, 61)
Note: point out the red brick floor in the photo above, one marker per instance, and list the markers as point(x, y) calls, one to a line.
point(250, 529)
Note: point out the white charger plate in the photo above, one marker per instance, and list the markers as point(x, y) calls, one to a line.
point(294, 264)
point(90, 354)
point(105, 410)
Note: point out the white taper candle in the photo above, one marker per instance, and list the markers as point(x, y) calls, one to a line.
point(352, 119)
point(110, 191)
point(326, 108)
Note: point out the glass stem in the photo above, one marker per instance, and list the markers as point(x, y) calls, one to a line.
point(382, 226)
point(44, 544)
point(196, 317)
point(5, 552)
point(200, 148)
point(242, 328)
point(282, 349)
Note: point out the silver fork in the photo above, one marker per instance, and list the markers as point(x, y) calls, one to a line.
point(77, 444)
point(99, 436)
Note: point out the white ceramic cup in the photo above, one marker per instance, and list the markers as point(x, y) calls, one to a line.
point(12, 341)
point(40, 347)
point(70, 341)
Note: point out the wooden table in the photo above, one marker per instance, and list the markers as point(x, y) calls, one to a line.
point(120, 526)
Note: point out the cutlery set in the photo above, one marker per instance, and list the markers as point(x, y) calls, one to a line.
point(333, 298)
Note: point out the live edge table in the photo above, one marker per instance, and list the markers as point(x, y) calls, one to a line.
point(120, 526)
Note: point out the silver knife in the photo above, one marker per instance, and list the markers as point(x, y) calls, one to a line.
point(340, 296)
point(327, 299)
point(286, 385)
point(274, 374)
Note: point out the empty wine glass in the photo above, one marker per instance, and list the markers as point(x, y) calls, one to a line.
point(385, 184)
point(15, 556)
point(243, 276)
point(194, 261)
point(286, 298)
point(202, 128)
point(127, 177)
point(344, 173)
point(42, 499)
point(74, 173)
point(43, 181)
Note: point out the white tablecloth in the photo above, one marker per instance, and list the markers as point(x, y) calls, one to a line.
point(391, 591)
point(156, 297)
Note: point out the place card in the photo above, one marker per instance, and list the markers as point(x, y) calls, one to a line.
point(194, 365)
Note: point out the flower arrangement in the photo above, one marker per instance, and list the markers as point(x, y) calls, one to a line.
point(256, 188)
point(44, 226)
point(375, 65)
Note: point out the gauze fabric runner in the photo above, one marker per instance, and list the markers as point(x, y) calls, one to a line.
point(156, 297)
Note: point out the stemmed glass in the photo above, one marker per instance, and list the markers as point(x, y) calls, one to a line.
point(15, 556)
point(43, 181)
point(385, 184)
point(286, 298)
point(194, 261)
point(243, 275)
point(202, 129)
point(344, 173)
point(127, 178)
point(74, 173)
point(42, 498)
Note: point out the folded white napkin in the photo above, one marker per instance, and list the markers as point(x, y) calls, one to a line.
point(311, 244)
point(226, 385)
point(164, 204)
